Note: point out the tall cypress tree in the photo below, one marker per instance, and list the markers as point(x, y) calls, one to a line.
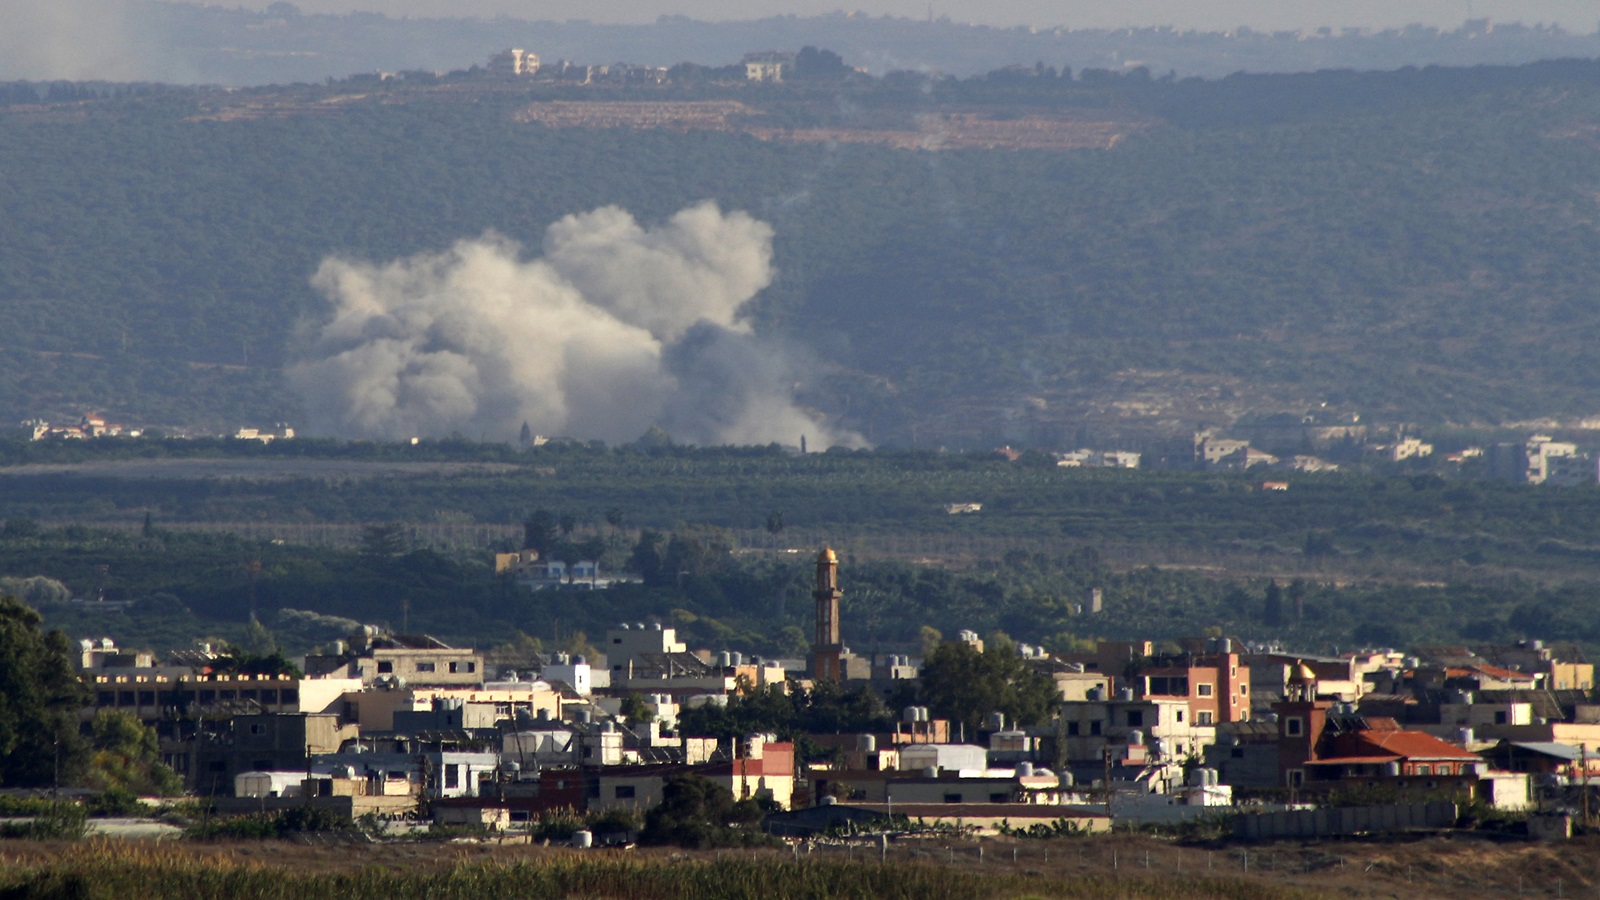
point(1272, 612)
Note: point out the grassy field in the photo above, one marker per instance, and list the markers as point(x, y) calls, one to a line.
point(1119, 866)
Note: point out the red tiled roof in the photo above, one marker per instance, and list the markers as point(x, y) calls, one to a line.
point(1491, 671)
point(1395, 745)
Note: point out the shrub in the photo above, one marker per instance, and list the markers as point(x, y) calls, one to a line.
point(59, 822)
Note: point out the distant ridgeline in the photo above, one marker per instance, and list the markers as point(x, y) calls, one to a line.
point(191, 43)
point(1138, 254)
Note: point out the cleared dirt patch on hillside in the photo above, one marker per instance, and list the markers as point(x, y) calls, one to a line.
point(948, 130)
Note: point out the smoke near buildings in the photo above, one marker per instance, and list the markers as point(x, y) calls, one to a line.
point(615, 328)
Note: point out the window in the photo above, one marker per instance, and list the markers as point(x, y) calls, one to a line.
point(1203, 690)
point(1180, 715)
point(1001, 797)
point(1424, 769)
point(453, 668)
point(952, 798)
point(269, 696)
point(424, 667)
point(452, 776)
point(258, 728)
point(208, 696)
point(1500, 718)
point(1072, 729)
point(625, 792)
point(291, 696)
point(1094, 727)
point(147, 698)
point(472, 667)
point(1135, 718)
point(1205, 717)
point(1293, 726)
point(386, 667)
point(1244, 690)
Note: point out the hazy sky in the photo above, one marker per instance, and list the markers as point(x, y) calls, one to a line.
point(1574, 15)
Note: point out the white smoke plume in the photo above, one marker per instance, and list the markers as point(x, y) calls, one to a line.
point(87, 40)
point(616, 328)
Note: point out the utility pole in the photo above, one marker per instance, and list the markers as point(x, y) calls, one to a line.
point(1583, 760)
point(1108, 780)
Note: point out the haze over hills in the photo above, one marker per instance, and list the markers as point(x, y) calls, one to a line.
point(1132, 255)
point(156, 40)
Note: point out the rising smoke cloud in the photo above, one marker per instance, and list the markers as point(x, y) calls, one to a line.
point(614, 329)
point(88, 40)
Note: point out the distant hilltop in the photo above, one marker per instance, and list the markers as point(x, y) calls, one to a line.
point(152, 40)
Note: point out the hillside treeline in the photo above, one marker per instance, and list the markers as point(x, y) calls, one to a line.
point(1420, 245)
point(172, 588)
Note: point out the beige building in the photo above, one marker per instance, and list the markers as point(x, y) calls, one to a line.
point(399, 660)
point(480, 707)
point(514, 62)
point(767, 66)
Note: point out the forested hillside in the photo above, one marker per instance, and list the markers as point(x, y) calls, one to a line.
point(1420, 246)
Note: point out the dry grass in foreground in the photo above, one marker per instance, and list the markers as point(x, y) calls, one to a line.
point(1121, 866)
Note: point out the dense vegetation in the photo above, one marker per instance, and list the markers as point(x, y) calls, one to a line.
point(1419, 244)
point(721, 540)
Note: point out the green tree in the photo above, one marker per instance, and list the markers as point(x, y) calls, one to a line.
point(40, 697)
point(126, 757)
point(697, 812)
point(963, 685)
point(539, 531)
point(257, 639)
point(236, 661)
point(1272, 610)
point(634, 709)
point(382, 541)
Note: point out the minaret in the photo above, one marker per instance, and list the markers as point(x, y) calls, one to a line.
point(825, 647)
